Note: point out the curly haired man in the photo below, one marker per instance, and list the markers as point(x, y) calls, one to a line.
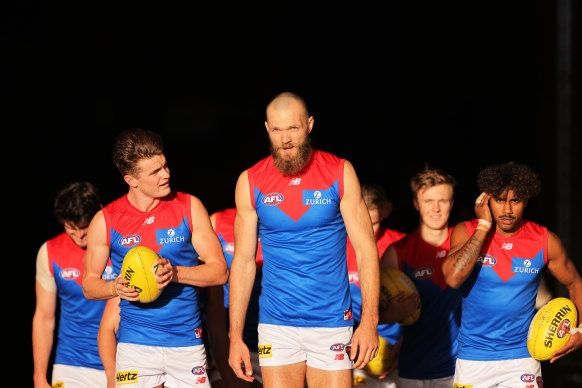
point(497, 260)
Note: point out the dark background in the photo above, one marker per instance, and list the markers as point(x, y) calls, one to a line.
point(458, 86)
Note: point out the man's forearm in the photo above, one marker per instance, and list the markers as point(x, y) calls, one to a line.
point(98, 289)
point(241, 284)
point(370, 287)
point(459, 265)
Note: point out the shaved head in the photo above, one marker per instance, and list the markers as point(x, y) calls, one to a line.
point(285, 101)
point(288, 126)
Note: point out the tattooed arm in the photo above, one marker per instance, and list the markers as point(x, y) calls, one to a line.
point(463, 255)
point(464, 248)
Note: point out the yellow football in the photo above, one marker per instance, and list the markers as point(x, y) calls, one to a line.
point(139, 269)
point(549, 329)
point(392, 282)
point(383, 361)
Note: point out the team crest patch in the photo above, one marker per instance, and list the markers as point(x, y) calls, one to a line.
point(265, 351)
point(129, 377)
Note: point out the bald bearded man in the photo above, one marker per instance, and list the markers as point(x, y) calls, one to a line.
point(303, 203)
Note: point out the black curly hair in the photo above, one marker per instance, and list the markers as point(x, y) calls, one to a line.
point(496, 179)
point(77, 203)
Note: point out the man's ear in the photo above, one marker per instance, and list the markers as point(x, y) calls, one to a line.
point(130, 180)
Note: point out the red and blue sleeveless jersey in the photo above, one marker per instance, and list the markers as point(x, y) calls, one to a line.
point(429, 346)
point(303, 239)
point(500, 294)
point(390, 331)
point(224, 228)
point(173, 320)
point(79, 317)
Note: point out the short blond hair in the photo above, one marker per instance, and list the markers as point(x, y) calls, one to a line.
point(430, 177)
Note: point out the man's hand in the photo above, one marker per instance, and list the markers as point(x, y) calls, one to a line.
point(394, 353)
point(399, 308)
point(574, 343)
point(482, 210)
point(364, 345)
point(125, 292)
point(237, 356)
point(164, 272)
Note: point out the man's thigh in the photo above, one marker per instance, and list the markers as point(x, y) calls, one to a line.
point(284, 376)
point(320, 378)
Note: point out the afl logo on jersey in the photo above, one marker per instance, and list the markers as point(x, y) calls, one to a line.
point(423, 273)
point(131, 240)
point(70, 273)
point(273, 199)
point(486, 260)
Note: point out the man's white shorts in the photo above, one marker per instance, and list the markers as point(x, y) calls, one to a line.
point(319, 347)
point(150, 366)
point(519, 373)
point(78, 377)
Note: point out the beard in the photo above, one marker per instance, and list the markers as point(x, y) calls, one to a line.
point(295, 166)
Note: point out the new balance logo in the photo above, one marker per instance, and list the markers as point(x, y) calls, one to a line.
point(507, 246)
point(294, 181)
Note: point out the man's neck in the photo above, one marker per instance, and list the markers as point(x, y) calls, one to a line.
point(140, 201)
point(434, 237)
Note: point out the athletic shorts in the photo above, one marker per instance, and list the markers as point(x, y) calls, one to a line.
point(149, 366)
point(319, 347)
point(443, 382)
point(68, 376)
point(518, 373)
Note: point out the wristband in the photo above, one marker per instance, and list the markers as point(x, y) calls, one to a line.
point(111, 291)
point(484, 225)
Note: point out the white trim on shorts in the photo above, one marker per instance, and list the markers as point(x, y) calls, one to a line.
point(517, 372)
point(149, 366)
point(325, 348)
point(78, 376)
